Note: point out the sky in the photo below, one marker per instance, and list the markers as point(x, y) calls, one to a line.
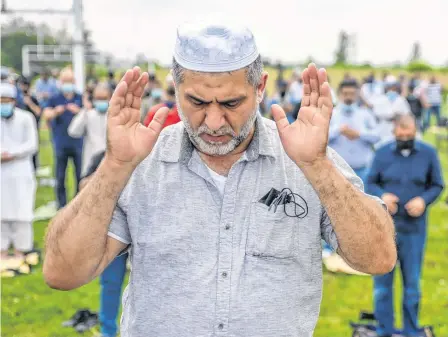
point(287, 30)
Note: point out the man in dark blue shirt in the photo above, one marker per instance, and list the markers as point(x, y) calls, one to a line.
point(60, 111)
point(406, 175)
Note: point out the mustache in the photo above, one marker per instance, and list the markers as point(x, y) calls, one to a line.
point(223, 131)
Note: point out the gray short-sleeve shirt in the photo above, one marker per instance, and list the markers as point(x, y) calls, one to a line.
point(210, 265)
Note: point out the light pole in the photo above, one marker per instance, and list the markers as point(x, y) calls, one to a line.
point(78, 38)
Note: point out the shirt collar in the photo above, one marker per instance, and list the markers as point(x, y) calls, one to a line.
point(178, 147)
point(417, 146)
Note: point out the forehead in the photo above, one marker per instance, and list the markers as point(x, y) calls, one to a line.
point(227, 84)
point(100, 91)
point(66, 76)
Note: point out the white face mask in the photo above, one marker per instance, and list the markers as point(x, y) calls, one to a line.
point(405, 153)
point(213, 149)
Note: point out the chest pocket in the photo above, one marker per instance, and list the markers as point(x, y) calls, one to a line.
point(271, 235)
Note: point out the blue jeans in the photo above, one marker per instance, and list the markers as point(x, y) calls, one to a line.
point(434, 109)
point(410, 255)
point(62, 156)
point(111, 281)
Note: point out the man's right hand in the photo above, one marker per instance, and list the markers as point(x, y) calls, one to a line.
point(129, 141)
point(391, 202)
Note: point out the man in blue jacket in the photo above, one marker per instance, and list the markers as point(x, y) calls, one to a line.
point(61, 109)
point(406, 175)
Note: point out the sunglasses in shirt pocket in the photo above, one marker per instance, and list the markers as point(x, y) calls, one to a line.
point(271, 234)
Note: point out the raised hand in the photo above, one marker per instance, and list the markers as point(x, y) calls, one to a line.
point(129, 141)
point(305, 140)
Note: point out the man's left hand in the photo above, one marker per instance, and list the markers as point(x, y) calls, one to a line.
point(305, 140)
point(72, 107)
point(6, 157)
point(415, 207)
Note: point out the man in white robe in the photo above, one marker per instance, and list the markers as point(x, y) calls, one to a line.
point(387, 107)
point(18, 145)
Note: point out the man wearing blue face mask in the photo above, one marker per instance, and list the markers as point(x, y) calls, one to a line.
point(353, 129)
point(60, 111)
point(91, 124)
point(388, 107)
point(169, 101)
point(18, 184)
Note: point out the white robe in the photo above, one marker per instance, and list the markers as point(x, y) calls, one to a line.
point(92, 125)
point(385, 110)
point(18, 191)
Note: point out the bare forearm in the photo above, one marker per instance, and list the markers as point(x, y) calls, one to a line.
point(49, 114)
point(76, 241)
point(364, 229)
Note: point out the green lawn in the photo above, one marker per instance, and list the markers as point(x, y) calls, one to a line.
point(31, 309)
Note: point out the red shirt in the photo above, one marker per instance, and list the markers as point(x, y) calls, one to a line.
point(173, 116)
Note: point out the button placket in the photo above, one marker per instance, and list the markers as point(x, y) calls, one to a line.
point(225, 253)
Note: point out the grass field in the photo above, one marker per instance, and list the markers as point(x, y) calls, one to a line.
point(31, 309)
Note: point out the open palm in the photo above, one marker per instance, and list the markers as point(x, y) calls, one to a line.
point(129, 141)
point(306, 139)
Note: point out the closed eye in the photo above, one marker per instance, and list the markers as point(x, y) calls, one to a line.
point(232, 104)
point(197, 102)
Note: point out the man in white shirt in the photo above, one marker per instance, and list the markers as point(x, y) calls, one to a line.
point(18, 145)
point(91, 124)
point(433, 95)
point(388, 107)
point(370, 90)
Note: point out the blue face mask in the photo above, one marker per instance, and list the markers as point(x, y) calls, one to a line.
point(101, 105)
point(392, 95)
point(67, 88)
point(156, 93)
point(6, 109)
point(347, 108)
point(169, 104)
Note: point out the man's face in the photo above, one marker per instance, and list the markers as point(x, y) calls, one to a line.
point(24, 87)
point(67, 77)
point(101, 94)
point(349, 95)
point(218, 110)
point(405, 133)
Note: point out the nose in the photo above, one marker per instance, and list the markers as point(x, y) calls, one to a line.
point(214, 118)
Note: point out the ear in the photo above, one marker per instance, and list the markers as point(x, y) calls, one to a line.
point(262, 86)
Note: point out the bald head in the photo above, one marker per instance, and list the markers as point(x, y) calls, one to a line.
point(66, 76)
point(102, 91)
point(405, 127)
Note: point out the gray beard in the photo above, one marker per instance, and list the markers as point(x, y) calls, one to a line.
point(217, 149)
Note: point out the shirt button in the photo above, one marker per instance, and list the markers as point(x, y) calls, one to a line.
point(227, 227)
point(224, 274)
point(221, 326)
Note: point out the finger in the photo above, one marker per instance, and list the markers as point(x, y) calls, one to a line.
point(322, 76)
point(306, 88)
point(158, 121)
point(325, 102)
point(137, 98)
point(314, 84)
point(132, 86)
point(280, 117)
point(118, 98)
point(127, 77)
point(141, 83)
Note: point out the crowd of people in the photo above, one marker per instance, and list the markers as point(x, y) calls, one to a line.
point(376, 128)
